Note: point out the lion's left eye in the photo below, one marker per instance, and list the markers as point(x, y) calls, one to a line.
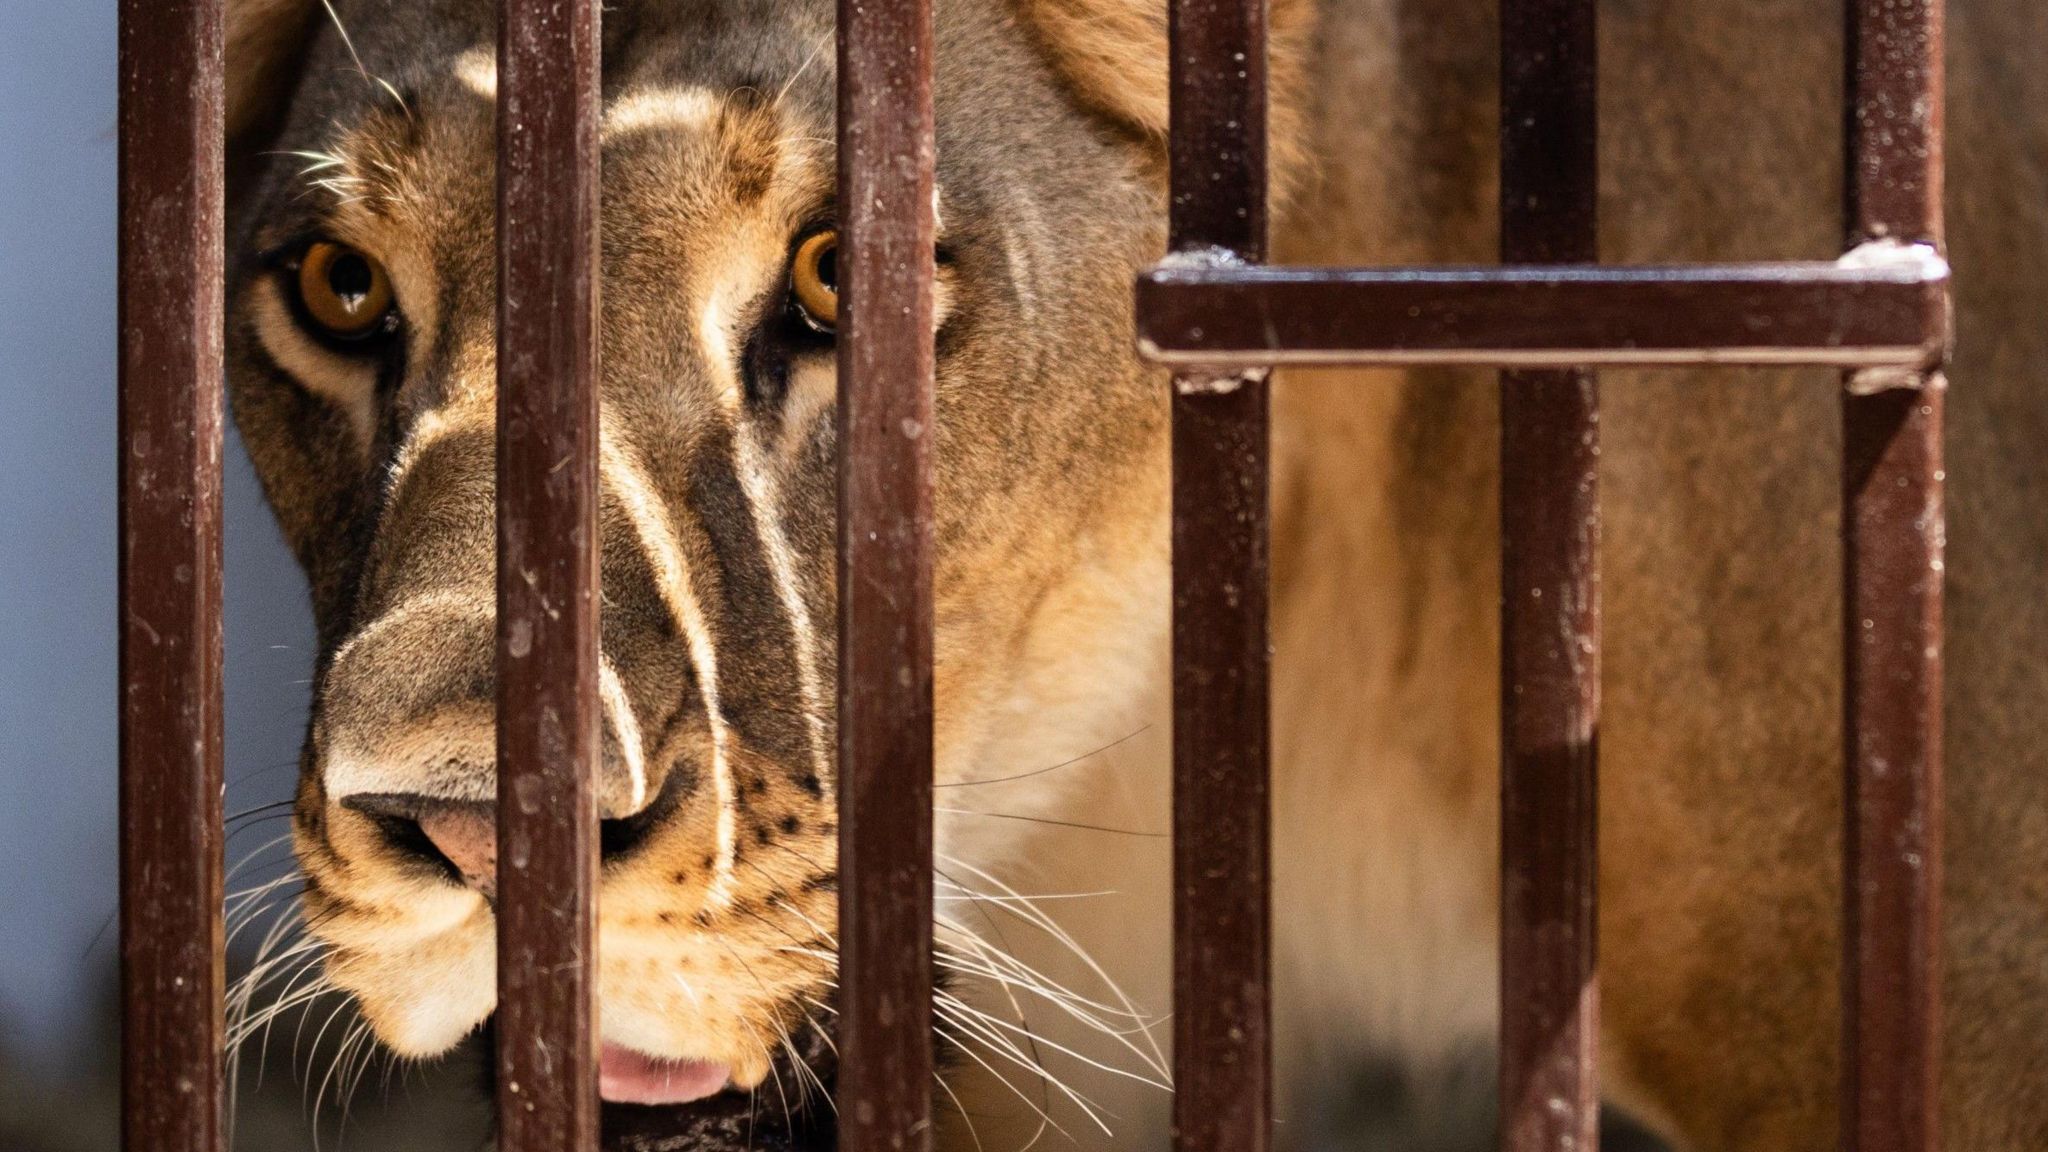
point(345, 292)
point(814, 280)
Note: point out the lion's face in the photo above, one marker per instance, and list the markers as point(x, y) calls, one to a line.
point(362, 368)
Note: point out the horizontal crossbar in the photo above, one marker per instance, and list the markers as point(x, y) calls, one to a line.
point(1884, 310)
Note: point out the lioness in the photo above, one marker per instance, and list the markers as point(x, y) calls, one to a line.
point(361, 364)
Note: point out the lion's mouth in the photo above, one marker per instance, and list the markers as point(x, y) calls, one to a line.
point(730, 1120)
point(653, 1105)
point(628, 1077)
point(657, 1105)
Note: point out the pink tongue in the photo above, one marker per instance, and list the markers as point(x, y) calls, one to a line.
point(628, 1077)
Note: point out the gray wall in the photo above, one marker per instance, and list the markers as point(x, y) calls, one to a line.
point(57, 551)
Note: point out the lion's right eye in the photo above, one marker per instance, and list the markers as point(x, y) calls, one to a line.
point(814, 280)
point(344, 292)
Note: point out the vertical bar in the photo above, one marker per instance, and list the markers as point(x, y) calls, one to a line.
point(548, 718)
point(1550, 604)
point(885, 574)
point(1221, 650)
point(172, 973)
point(1893, 539)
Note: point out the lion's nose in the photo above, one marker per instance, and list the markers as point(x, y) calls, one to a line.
point(467, 836)
point(409, 709)
point(462, 835)
point(408, 705)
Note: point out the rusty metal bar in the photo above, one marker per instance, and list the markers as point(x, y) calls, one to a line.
point(1550, 600)
point(1221, 650)
point(548, 710)
point(172, 974)
point(1894, 534)
point(885, 432)
point(1890, 310)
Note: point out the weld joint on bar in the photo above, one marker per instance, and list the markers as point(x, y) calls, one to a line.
point(1211, 383)
point(1928, 266)
point(1197, 379)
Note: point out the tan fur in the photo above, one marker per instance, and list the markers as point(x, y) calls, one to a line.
point(1113, 52)
point(1720, 800)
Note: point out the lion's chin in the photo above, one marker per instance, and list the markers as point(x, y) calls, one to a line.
point(628, 1077)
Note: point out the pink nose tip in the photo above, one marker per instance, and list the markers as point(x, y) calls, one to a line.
point(468, 836)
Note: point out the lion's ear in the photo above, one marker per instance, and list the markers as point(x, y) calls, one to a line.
point(264, 41)
point(1113, 52)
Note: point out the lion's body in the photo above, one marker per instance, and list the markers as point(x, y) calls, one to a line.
point(1721, 745)
point(1721, 735)
point(1720, 802)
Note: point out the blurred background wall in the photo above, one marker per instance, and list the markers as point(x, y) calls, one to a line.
point(57, 638)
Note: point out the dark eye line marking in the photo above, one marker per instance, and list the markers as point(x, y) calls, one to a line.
point(765, 383)
point(778, 335)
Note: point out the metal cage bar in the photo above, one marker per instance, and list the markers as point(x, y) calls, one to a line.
point(1885, 312)
point(1882, 312)
point(548, 709)
point(1894, 534)
point(1550, 604)
point(885, 430)
point(1221, 655)
point(172, 969)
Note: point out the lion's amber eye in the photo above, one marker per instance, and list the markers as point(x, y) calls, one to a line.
point(345, 291)
point(814, 280)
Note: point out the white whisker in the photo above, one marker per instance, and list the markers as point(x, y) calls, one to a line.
point(960, 1005)
point(689, 989)
point(1044, 1116)
point(347, 41)
point(816, 51)
point(1002, 1045)
point(1079, 1008)
point(965, 1117)
point(984, 898)
point(1024, 909)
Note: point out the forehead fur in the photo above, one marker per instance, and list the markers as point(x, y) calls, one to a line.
point(995, 90)
point(709, 106)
